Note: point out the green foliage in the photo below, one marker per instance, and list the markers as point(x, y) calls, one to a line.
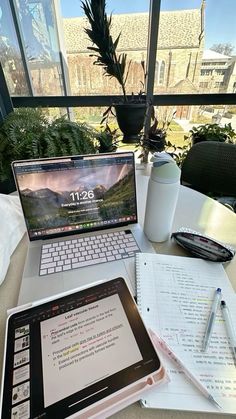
point(178, 152)
point(66, 138)
point(26, 134)
point(155, 141)
point(21, 137)
point(107, 140)
point(213, 132)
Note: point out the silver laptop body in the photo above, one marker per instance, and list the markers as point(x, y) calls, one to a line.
point(76, 212)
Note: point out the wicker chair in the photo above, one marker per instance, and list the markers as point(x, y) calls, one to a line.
point(210, 167)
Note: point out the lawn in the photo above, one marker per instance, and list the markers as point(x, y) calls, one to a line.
point(175, 135)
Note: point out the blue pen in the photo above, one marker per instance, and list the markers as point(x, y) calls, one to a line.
point(229, 327)
point(211, 319)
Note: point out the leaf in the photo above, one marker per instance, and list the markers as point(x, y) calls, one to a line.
point(107, 111)
point(117, 41)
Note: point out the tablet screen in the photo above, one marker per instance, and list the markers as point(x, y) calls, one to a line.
point(66, 354)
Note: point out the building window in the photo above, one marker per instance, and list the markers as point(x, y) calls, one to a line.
point(156, 80)
point(220, 72)
point(219, 83)
point(203, 84)
point(162, 73)
point(206, 72)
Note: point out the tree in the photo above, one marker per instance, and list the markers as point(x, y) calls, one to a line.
point(226, 49)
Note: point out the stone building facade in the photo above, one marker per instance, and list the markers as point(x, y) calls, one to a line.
point(178, 61)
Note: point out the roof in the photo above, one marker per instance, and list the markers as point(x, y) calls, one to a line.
point(209, 54)
point(185, 86)
point(177, 29)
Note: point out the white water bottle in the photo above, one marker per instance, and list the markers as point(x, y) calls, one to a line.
point(162, 195)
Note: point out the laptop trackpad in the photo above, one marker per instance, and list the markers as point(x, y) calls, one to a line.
point(46, 286)
point(90, 274)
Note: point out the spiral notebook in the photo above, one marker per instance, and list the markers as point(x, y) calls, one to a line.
point(174, 295)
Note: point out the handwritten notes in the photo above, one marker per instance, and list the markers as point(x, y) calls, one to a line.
point(175, 296)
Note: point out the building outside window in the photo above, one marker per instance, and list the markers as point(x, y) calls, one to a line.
point(192, 56)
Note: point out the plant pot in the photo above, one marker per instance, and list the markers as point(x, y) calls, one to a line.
point(110, 149)
point(130, 118)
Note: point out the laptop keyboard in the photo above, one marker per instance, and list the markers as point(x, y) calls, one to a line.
point(87, 251)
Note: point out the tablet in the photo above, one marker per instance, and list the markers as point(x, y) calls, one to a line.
point(81, 354)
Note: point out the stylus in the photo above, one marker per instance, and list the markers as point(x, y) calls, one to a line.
point(161, 344)
point(229, 327)
point(211, 319)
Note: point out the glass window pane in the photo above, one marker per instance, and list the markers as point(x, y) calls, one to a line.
point(196, 41)
point(179, 120)
point(128, 18)
point(39, 30)
point(10, 53)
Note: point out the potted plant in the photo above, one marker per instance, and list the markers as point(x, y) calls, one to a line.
point(67, 138)
point(27, 133)
point(212, 132)
point(155, 140)
point(107, 140)
point(130, 114)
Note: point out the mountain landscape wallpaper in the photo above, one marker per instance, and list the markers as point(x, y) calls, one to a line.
point(113, 196)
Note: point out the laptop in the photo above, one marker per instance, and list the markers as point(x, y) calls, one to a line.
point(74, 208)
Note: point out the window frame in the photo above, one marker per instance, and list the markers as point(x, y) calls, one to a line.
point(157, 100)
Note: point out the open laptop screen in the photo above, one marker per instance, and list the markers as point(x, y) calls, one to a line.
point(76, 194)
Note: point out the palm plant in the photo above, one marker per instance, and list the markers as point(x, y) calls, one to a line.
point(114, 64)
point(130, 113)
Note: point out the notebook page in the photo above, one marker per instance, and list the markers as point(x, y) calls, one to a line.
point(175, 296)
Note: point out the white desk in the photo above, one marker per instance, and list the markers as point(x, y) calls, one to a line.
point(193, 210)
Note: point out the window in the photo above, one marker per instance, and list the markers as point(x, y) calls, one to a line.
point(10, 53)
point(162, 73)
point(206, 72)
point(156, 80)
point(186, 62)
point(203, 84)
point(220, 72)
point(219, 83)
point(197, 47)
point(128, 19)
point(39, 34)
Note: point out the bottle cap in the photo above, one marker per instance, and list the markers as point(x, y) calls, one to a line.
point(164, 169)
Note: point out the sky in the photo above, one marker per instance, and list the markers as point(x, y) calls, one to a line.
point(219, 16)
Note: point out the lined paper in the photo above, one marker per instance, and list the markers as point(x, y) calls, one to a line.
point(175, 296)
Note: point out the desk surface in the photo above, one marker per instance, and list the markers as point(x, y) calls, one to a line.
point(195, 211)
